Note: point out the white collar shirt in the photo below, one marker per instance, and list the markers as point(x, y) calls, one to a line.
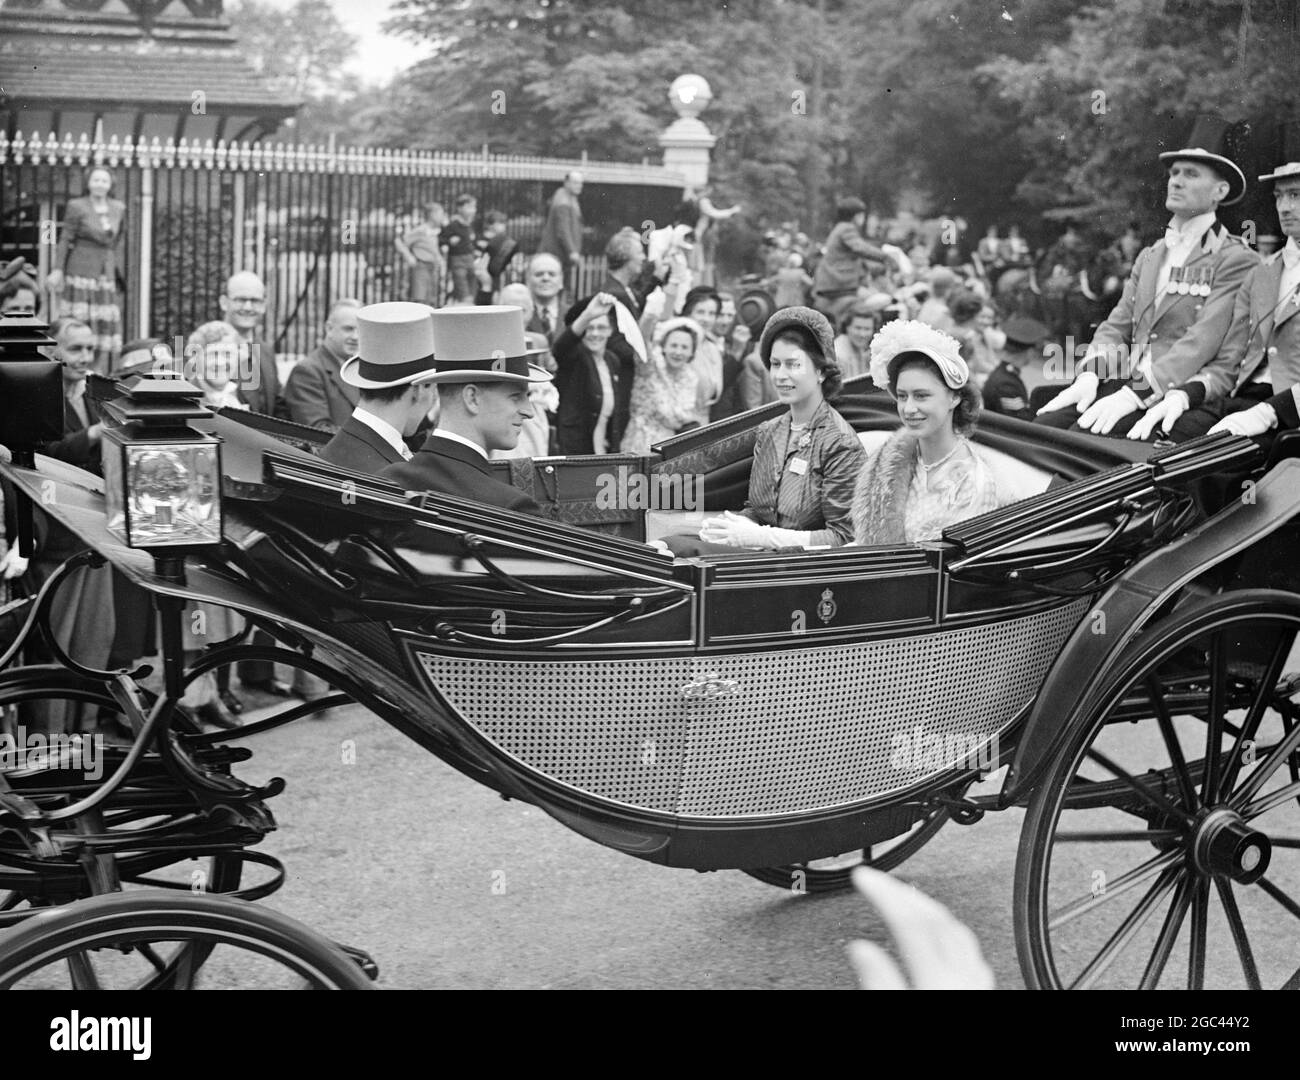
point(384, 430)
point(443, 433)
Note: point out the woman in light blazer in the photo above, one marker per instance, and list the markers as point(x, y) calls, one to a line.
point(88, 272)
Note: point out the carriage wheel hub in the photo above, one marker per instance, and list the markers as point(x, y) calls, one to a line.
point(1225, 846)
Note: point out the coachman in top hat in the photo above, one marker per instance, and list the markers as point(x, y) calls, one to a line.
point(1176, 306)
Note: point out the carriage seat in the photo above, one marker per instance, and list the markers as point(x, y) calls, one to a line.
point(1015, 480)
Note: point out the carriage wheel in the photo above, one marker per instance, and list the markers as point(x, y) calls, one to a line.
point(26, 891)
point(835, 874)
point(1165, 839)
point(114, 942)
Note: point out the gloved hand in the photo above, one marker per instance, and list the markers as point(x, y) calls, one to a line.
point(736, 530)
point(1253, 421)
point(1164, 412)
point(1081, 393)
point(12, 565)
point(1104, 414)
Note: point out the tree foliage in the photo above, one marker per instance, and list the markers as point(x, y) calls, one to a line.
point(994, 110)
point(300, 50)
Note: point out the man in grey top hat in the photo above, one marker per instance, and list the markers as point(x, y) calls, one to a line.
point(393, 375)
point(1260, 357)
point(483, 374)
point(1176, 307)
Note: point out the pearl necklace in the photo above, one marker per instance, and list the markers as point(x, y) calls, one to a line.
point(930, 468)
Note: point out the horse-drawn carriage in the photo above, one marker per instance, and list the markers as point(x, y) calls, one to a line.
point(790, 714)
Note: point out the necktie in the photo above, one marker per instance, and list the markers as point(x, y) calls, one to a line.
point(545, 315)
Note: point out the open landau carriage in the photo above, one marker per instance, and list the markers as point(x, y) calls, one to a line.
point(790, 714)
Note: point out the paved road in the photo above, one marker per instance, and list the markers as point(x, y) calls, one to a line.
point(447, 885)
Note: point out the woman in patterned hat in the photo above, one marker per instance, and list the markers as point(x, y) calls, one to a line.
point(806, 461)
point(88, 268)
point(927, 475)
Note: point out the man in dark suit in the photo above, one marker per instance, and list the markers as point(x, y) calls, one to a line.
point(82, 426)
point(629, 278)
point(314, 393)
point(562, 233)
point(545, 280)
point(483, 375)
point(243, 305)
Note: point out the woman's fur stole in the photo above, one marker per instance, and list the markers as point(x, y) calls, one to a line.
point(880, 501)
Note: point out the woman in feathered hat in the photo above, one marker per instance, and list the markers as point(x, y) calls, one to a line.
point(927, 475)
point(806, 460)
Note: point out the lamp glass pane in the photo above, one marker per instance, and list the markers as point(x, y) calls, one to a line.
point(114, 489)
point(174, 493)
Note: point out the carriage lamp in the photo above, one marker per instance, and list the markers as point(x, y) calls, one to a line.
point(162, 479)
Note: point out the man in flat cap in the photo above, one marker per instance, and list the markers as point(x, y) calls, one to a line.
point(482, 371)
point(1260, 357)
point(1176, 307)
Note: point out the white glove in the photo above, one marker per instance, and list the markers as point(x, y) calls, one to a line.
point(1081, 393)
point(939, 951)
point(737, 531)
point(1253, 421)
point(12, 565)
point(1104, 414)
point(1164, 412)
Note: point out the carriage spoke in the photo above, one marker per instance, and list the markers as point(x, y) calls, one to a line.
point(1285, 841)
point(150, 954)
point(1214, 721)
point(1185, 785)
point(1099, 837)
point(82, 972)
point(1158, 801)
point(1267, 767)
point(1278, 895)
point(1269, 802)
point(1238, 929)
point(1114, 889)
point(1168, 936)
point(1259, 703)
point(1130, 926)
point(1200, 889)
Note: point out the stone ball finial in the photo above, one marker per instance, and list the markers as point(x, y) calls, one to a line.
point(690, 95)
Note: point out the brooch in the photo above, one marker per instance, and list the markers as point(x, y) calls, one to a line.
point(805, 440)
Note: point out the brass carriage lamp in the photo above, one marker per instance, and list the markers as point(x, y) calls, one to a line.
point(162, 479)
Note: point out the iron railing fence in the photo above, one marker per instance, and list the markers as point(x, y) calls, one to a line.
point(315, 223)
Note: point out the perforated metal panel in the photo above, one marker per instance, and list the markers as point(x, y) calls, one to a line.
point(758, 733)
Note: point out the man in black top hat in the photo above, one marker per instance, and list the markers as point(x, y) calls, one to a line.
point(1260, 358)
